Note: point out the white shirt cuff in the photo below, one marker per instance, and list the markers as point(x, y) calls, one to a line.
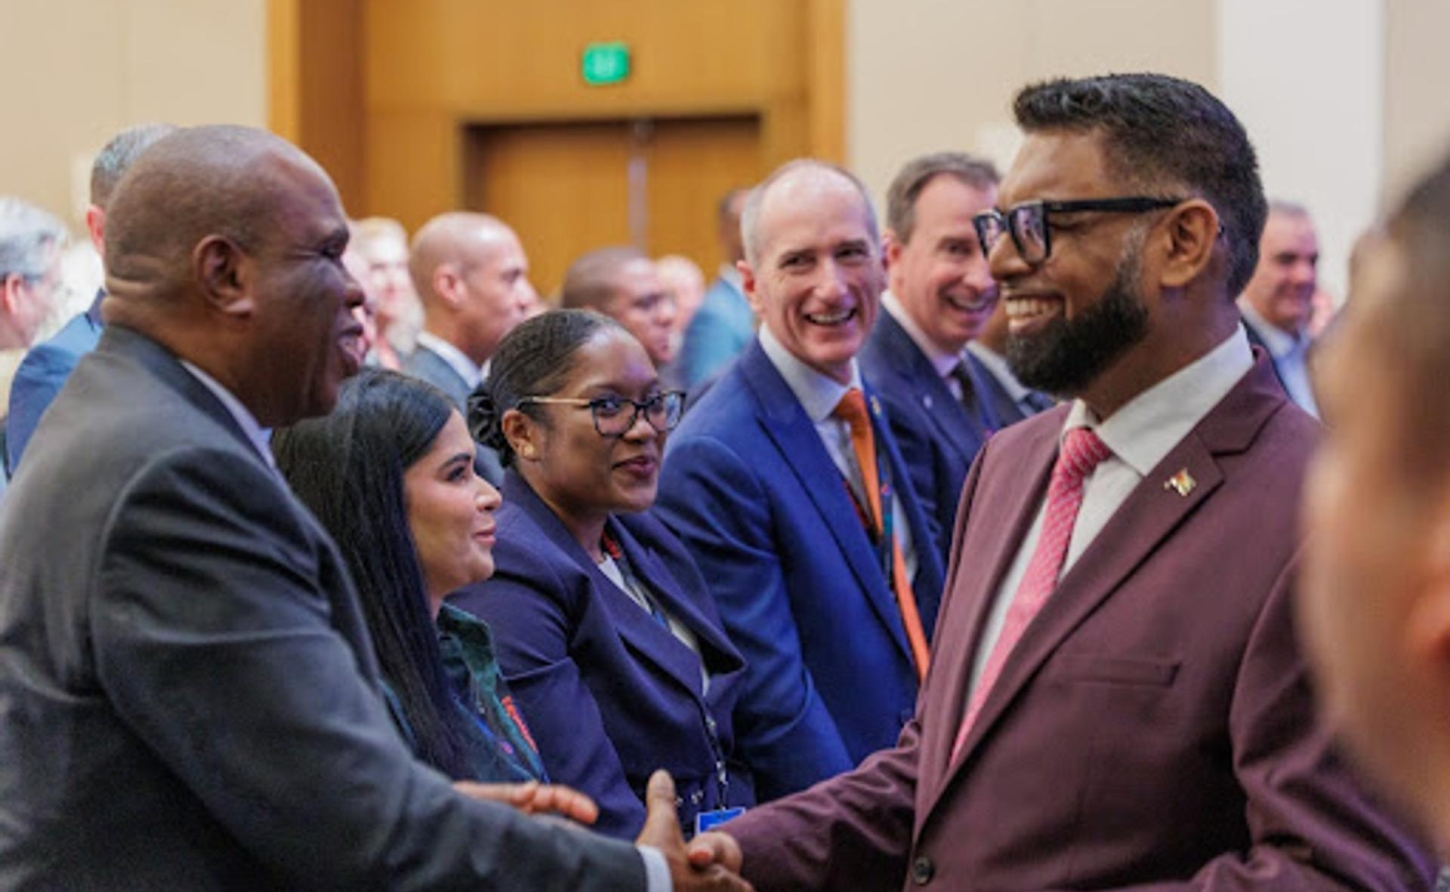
point(656, 869)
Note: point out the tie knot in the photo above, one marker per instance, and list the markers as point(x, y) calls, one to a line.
point(1082, 450)
point(852, 410)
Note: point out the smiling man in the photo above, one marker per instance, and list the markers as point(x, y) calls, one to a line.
point(1278, 301)
point(942, 295)
point(1117, 699)
point(787, 487)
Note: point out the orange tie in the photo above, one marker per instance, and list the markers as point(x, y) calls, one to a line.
point(852, 410)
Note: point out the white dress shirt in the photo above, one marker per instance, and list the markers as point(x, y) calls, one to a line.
point(819, 396)
point(1140, 435)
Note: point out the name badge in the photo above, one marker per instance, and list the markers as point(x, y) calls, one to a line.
point(709, 820)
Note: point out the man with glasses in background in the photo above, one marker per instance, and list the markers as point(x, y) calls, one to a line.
point(1118, 700)
point(623, 284)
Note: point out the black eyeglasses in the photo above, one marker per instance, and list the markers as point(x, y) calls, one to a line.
point(615, 415)
point(1031, 226)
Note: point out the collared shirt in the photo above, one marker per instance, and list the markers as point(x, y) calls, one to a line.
point(730, 275)
point(819, 395)
point(259, 437)
point(1140, 435)
point(996, 363)
point(943, 362)
point(466, 368)
point(1290, 354)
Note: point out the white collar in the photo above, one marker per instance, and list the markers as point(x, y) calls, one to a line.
point(259, 437)
point(818, 394)
point(942, 362)
point(730, 275)
point(1151, 424)
point(466, 368)
point(1280, 343)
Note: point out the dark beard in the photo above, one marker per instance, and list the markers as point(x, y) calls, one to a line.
point(1065, 357)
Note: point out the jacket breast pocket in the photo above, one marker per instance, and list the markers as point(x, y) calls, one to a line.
point(1107, 670)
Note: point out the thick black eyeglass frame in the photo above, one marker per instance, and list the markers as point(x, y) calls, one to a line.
point(671, 401)
point(1015, 220)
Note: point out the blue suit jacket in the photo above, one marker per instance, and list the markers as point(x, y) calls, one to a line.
point(750, 489)
point(609, 694)
point(43, 372)
point(937, 436)
point(721, 328)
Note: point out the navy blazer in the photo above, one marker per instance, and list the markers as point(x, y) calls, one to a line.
point(43, 372)
point(750, 489)
point(609, 693)
point(937, 436)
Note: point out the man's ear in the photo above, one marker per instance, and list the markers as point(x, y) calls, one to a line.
point(10, 296)
point(1189, 236)
point(96, 228)
point(225, 274)
point(448, 284)
point(748, 285)
point(1427, 627)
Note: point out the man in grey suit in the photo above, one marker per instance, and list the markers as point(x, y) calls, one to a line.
point(188, 697)
point(473, 277)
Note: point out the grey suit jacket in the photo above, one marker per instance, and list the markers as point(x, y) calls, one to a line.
point(188, 696)
point(424, 363)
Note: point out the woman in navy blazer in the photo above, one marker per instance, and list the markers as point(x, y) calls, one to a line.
point(604, 627)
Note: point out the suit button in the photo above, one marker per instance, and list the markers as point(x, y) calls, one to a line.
point(922, 870)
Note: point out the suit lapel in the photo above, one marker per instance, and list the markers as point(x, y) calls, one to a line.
point(917, 376)
point(786, 425)
point(1159, 504)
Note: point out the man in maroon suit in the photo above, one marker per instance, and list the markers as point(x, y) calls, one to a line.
point(1116, 699)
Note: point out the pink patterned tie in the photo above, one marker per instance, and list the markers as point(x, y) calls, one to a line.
point(1081, 452)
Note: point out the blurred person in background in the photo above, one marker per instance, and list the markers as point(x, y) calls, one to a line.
point(46, 367)
point(383, 244)
point(724, 324)
point(625, 285)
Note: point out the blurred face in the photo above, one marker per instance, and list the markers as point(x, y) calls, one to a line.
point(497, 295)
point(819, 277)
point(1372, 607)
point(28, 301)
point(1074, 315)
point(583, 476)
point(450, 513)
point(366, 313)
point(642, 304)
point(1283, 285)
point(304, 335)
point(939, 274)
point(387, 276)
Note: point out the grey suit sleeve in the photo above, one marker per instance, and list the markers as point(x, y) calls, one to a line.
point(212, 637)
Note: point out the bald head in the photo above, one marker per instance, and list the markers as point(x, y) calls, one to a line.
point(624, 284)
point(472, 274)
point(224, 245)
point(198, 182)
point(787, 184)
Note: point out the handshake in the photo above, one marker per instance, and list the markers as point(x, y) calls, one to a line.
point(708, 863)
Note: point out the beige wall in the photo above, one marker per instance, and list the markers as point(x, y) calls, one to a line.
point(1417, 103)
point(927, 75)
point(76, 71)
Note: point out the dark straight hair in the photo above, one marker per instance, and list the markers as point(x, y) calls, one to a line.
point(348, 467)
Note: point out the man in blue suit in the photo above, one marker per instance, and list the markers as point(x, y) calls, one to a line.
point(46, 367)
point(764, 483)
point(941, 297)
point(724, 324)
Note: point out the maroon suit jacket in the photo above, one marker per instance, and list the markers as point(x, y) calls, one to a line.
point(1154, 727)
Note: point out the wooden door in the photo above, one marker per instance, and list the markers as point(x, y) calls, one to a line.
point(570, 187)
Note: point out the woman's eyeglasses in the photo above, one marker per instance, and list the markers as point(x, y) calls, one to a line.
point(615, 415)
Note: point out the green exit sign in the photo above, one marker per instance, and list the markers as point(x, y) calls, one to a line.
point(605, 63)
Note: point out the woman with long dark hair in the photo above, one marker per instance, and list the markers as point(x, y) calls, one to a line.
point(605, 629)
point(390, 475)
